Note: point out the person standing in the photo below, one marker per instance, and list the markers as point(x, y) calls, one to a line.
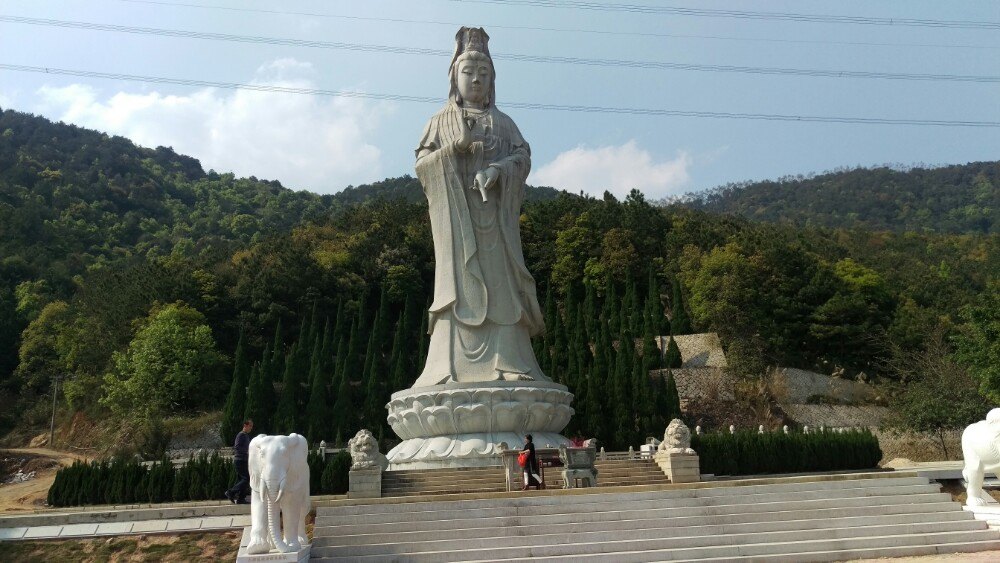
point(532, 476)
point(237, 494)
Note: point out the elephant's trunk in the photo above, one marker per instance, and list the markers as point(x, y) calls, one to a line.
point(274, 520)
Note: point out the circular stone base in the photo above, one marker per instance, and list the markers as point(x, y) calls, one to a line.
point(463, 424)
point(464, 450)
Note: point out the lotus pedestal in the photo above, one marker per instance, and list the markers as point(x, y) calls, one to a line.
point(463, 424)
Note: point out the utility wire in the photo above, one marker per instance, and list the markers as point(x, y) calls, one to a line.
point(517, 105)
point(741, 14)
point(562, 30)
point(543, 59)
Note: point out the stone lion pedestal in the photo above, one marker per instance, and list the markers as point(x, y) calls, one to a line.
point(463, 424)
point(674, 454)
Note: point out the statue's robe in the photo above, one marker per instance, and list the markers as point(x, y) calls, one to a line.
point(485, 306)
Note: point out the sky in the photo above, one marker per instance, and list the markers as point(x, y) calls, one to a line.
point(380, 50)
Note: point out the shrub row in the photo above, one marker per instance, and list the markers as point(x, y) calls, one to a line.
point(750, 453)
point(127, 481)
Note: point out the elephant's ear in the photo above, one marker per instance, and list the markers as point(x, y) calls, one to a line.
point(256, 464)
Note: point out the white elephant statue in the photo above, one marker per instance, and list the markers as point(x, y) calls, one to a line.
point(279, 483)
point(981, 450)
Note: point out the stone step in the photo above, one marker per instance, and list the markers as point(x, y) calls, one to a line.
point(807, 518)
point(550, 481)
point(440, 491)
point(637, 529)
point(449, 476)
point(539, 515)
point(618, 520)
point(870, 553)
point(686, 548)
point(652, 499)
point(721, 489)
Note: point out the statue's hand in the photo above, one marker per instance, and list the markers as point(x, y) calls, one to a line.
point(485, 178)
point(463, 143)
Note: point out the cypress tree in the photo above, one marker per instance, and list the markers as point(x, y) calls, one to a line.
point(544, 345)
point(396, 375)
point(338, 366)
point(557, 369)
point(372, 418)
point(621, 391)
point(236, 402)
point(344, 415)
point(317, 427)
point(672, 359)
point(257, 397)
point(423, 342)
point(612, 309)
point(673, 399)
point(590, 316)
point(327, 351)
point(379, 332)
point(338, 322)
point(286, 413)
point(680, 323)
point(631, 311)
point(593, 420)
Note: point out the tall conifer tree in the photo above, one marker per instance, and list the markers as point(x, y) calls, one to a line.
point(317, 409)
point(236, 402)
point(258, 401)
point(680, 323)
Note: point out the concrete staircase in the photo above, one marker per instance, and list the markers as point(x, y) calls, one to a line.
point(805, 518)
point(491, 479)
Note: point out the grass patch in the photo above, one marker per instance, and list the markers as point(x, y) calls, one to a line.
point(170, 548)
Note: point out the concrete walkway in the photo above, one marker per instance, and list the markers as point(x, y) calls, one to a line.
point(97, 521)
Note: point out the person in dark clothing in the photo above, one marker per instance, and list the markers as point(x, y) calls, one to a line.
point(532, 476)
point(241, 455)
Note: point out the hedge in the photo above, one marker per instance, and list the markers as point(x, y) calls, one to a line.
point(751, 453)
point(127, 481)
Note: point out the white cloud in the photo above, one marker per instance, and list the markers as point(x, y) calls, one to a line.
point(617, 169)
point(7, 101)
point(307, 142)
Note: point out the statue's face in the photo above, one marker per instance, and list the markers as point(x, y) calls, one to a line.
point(474, 76)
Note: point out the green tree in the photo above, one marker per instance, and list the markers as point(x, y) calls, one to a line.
point(680, 323)
point(317, 413)
point(236, 401)
point(41, 353)
point(935, 394)
point(171, 365)
point(672, 358)
point(978, 342)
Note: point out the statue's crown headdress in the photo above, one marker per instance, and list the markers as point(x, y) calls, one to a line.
point(471, 39)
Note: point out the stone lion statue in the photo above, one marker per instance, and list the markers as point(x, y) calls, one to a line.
point(981, 450)
point(676, 439)
point(364, 452)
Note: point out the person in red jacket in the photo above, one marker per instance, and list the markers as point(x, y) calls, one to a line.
point(532, 476)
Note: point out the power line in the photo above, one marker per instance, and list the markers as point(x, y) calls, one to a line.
point(543, 59)
point(564, 30)
point(517, 105)
point(741, 14)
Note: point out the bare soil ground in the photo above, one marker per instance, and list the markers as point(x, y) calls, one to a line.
point(30, 495)
point(201, 546)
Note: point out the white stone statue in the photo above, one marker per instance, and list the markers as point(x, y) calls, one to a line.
point(481, 384)
point(981, 450)
point(485, 309)
point(364, 452)
point(279, 483)
point(676, 438)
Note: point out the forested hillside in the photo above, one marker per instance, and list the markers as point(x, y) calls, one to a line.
point(950, 199)
point(160, 290)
